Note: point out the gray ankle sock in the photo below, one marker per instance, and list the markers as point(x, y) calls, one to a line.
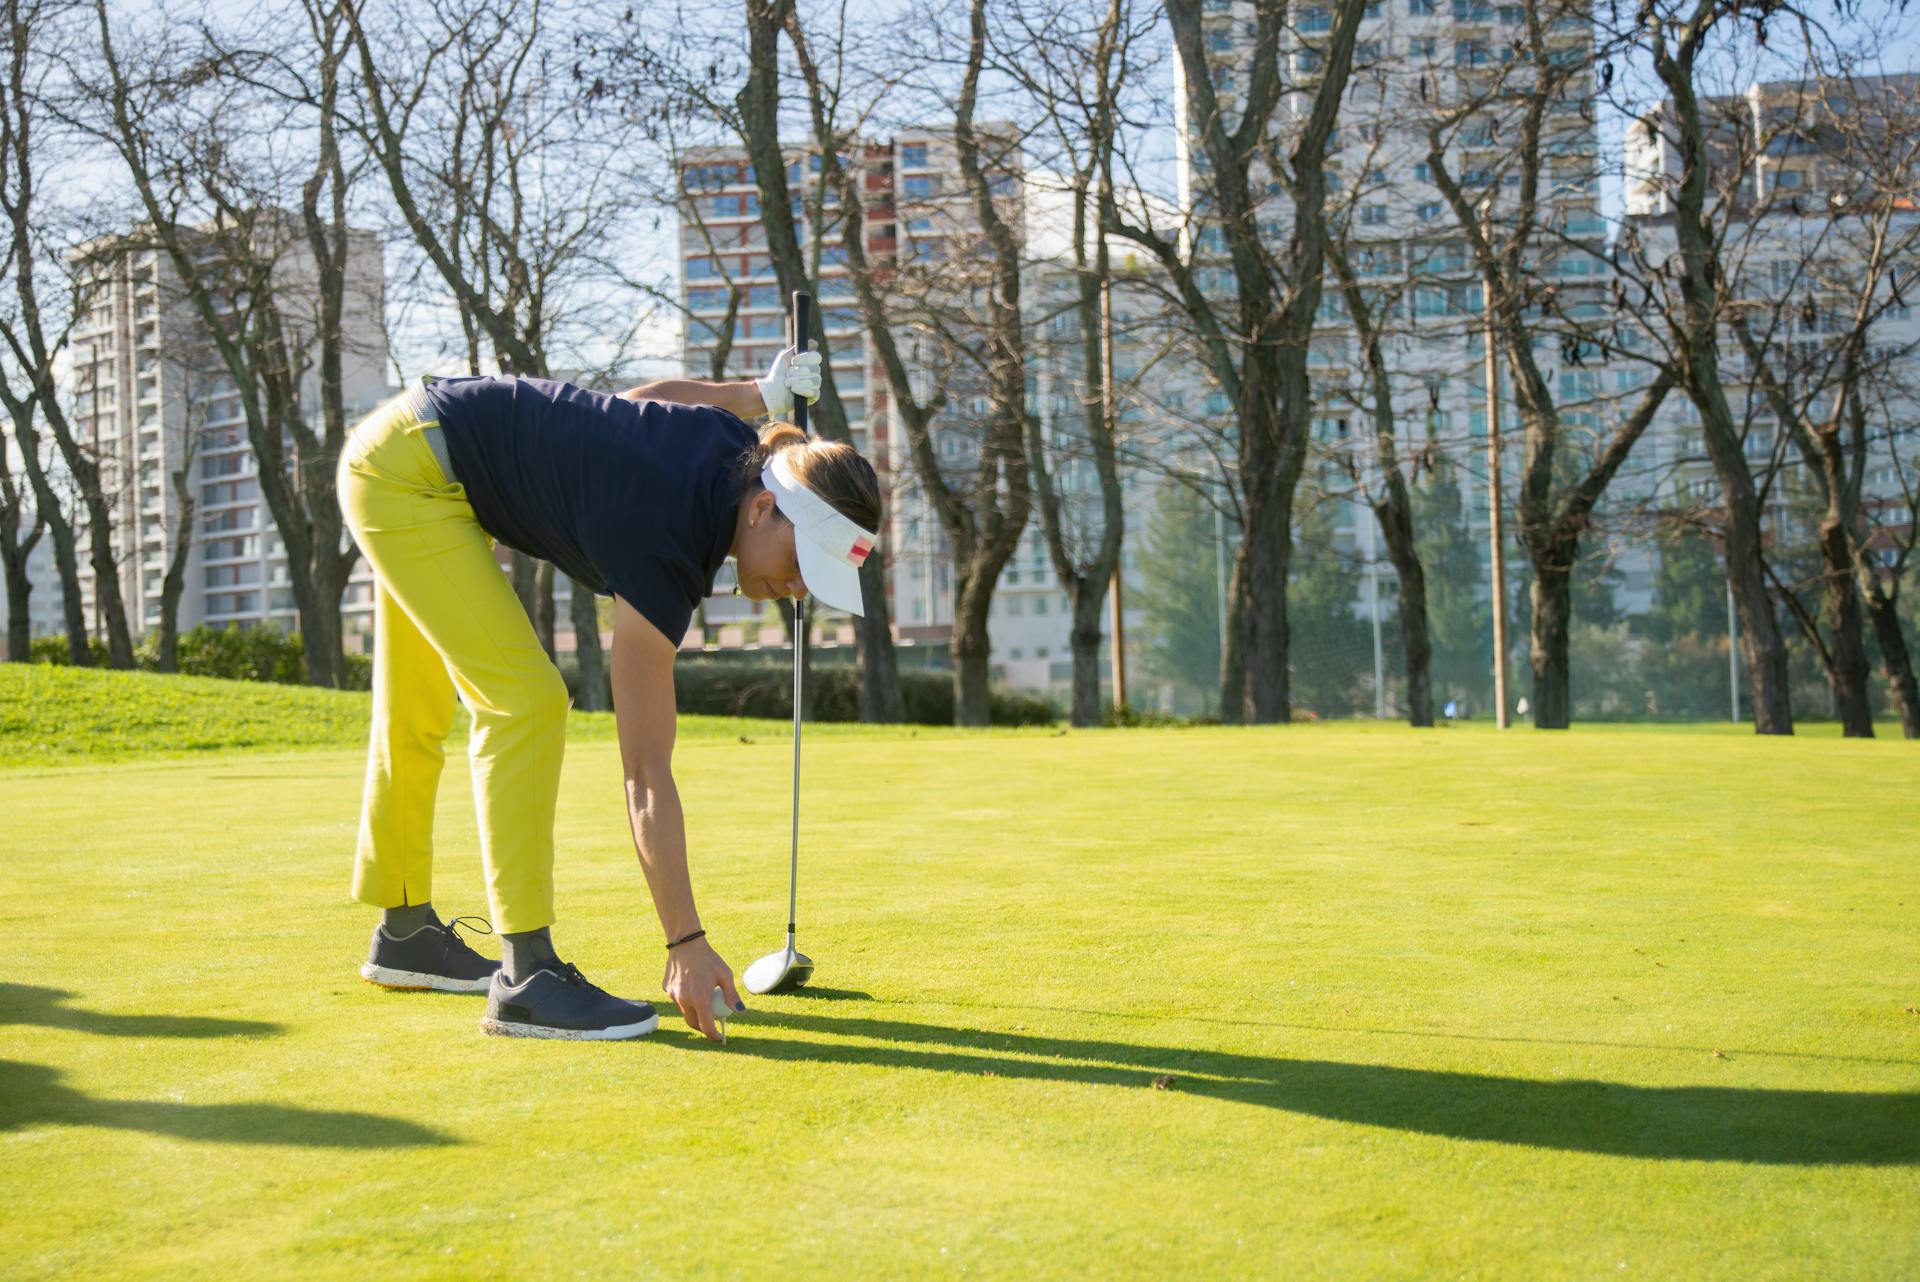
point(401, 922)
point(524, 952)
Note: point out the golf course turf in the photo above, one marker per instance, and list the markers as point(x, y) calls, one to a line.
point(1344, 1000)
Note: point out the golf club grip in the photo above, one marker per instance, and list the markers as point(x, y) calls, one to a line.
point(802, 328)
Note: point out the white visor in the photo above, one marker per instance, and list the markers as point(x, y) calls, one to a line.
point(831, 548)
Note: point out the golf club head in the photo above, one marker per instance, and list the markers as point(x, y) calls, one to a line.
point(778, 972)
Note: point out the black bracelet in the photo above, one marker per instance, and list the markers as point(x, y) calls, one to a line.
point(686, 939)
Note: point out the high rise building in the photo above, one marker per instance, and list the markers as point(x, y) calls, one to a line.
point(151, 396)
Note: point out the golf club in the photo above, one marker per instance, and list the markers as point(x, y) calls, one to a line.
point(787, 969)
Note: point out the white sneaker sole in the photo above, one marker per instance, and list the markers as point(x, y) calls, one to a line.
point(616, 1033)
point(413, 981)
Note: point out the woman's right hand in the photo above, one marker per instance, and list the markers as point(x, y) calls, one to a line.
point(694, 970)
point(793, 374)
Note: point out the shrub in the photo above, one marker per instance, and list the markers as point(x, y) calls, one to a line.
point(53, 649)
point(734, 689)
point(232, 652)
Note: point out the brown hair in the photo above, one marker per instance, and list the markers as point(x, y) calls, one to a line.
point(832, 469)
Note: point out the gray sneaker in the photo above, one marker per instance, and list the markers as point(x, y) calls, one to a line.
point(432, 957)
point(560, 1002)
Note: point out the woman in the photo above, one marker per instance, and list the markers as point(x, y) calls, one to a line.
point(640, 496)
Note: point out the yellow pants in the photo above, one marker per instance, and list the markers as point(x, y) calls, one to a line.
point(446, 619)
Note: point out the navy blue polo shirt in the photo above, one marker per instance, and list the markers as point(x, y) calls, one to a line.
point(635, 499)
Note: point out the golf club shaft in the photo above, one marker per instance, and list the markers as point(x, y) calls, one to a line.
point(802, 325)
point(793, 871)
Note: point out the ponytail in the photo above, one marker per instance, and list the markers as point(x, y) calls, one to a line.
point(832, 469)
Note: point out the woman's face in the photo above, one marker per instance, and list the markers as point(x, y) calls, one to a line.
point(763, 552)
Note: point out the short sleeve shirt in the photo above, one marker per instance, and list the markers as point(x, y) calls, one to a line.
point(635, 499)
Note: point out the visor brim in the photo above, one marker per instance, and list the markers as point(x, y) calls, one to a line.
point(830, 580)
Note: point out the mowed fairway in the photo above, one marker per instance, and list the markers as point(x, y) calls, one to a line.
point(1419, 1004)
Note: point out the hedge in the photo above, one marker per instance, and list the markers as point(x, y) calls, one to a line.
point(238, 654)
point(763, 689)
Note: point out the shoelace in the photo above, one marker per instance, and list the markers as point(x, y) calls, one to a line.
point(570, 974)
point(481, 926)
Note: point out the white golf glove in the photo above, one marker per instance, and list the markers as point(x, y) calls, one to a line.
point(793, 374)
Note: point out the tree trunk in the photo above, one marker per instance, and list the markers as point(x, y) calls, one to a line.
point(1700, 281)
point(1896, 659)
point(521, 570)
point(320, 628)
point(973, 650)
point(595, 693)
point(1395, 514)
point(66, 557)
point(107, 599)
point(1269, 555)
point(1233, 656)
point(877, 669)
point(1762, 650)
point(14, 553)
point(1848, 669)
point(1551, 595)
point(19, 633)
point(1084, 639)
point(543, 622)
point(176, 580)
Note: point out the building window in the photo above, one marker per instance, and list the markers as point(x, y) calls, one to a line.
point(921, 188)
point(1373, 215)
point(913, 155)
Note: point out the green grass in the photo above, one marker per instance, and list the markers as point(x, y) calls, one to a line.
point(1434, 1004)
point(52, 715)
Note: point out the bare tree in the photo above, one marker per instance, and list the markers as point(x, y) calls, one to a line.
point(1817, 345)
point(758, 104)
point(1527, 311)
point(1076, 66)
point(1255, 329)
point(1384, 485)
point(268, 285)
point(1690, 289)
point(981, 501)
point(511, 174)
point(36, 337)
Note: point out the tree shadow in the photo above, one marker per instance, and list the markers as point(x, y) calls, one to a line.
point(47, 1007)
point(1730, 1048)
point(32, 1095)
point(1693, 1123)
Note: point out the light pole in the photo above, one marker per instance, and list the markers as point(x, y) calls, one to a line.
point(1733, 657)
point(1496, 532)
point(1368, 517)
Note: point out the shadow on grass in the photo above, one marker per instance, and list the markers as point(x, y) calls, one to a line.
point(1732, 1048)
point(829, 995)
point(1695, 1123)
point(32, 1095)
point(47, 1008)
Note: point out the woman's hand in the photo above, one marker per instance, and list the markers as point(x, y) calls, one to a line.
point(694, 970)
point(793, 374)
